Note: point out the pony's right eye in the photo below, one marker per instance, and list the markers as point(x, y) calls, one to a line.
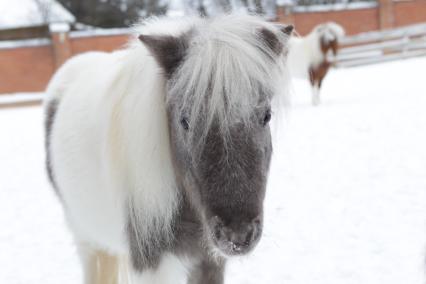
point(267, 117)
point(184, 122)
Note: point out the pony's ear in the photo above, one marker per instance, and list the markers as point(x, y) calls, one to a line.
point(168, 51)
point(287, 29)
point(271, 39)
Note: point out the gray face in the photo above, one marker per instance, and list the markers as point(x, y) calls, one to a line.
point(223, 174)
point(225, 178)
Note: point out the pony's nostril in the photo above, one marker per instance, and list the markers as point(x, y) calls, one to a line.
point(256, 221)
point(249, 236)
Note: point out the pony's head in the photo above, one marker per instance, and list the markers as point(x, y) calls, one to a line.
point(329, 34)
point(221, 75)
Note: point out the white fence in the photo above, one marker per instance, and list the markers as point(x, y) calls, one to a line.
point(380, 46)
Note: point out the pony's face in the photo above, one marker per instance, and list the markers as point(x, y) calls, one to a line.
point(219, 107)
point(225, 175)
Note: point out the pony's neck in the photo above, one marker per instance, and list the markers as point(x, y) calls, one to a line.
point(140, 147)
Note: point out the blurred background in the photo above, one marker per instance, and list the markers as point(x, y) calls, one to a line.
point(36, 36)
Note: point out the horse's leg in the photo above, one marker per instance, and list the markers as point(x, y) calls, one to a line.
point(208, 272)
point(98, 266)
point(107, 272)
point(322, 72)
point(316, 100)
point(88, 260)
point(313, 79)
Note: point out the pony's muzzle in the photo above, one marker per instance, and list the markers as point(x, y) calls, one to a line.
point(237, 237)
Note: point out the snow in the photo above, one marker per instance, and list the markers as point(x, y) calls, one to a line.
point(17, 98)
point(23, 13)
point(346, 201)
point(101, 32)
point(10, 44)
point(285, 2)
point(59, 27)
point(335, 7)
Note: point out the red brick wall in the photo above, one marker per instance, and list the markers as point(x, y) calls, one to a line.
point(98, 43)
point(29, 69)
point(409, 12)
point(354, 21)
point(26, 69)
point(388, 14)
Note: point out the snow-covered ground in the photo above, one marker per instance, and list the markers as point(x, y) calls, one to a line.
point(346, 202)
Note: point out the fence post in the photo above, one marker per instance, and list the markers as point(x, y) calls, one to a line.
point(59, 33)
point(386, 16)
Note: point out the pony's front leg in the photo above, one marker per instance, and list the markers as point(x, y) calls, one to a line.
point(316, 99)
point(208, 272)
point(99, 267)
point(170, 270)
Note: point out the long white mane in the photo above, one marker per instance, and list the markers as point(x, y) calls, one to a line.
point(227, 69)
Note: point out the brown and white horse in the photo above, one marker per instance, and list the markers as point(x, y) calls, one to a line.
point(309, 56)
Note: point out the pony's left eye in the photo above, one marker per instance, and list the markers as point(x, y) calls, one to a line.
point(184, 122)
point(267, 117)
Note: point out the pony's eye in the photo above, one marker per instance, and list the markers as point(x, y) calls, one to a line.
point(184, 122)
point(267, 117)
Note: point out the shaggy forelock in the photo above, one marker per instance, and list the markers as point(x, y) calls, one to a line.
point(228, 71)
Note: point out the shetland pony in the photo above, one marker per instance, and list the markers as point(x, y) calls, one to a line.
point(308, 56)
point(160, 152)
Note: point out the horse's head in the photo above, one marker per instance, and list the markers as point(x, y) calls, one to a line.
point(329, 35)
point(220, 78)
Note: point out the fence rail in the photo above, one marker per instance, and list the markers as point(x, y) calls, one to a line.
point(381, 46)
point(328, 2)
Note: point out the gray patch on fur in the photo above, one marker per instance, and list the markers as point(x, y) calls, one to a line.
point(188, 240)
point(207, 272)
point(146, 252)
point(51, 109)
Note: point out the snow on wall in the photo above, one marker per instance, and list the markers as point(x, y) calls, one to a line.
point(101, 32)
point(335, 7)
point(7, 44)
point(23, 13)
